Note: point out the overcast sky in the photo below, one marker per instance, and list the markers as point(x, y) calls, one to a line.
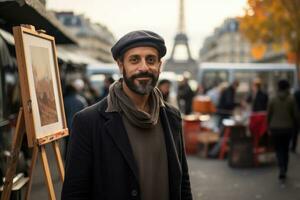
point(161, 16)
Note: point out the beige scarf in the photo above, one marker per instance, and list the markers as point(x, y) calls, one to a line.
point(118, 101)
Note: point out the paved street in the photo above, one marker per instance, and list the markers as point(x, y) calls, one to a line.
point(213, 180)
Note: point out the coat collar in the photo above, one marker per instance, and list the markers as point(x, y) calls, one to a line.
point(116, 129)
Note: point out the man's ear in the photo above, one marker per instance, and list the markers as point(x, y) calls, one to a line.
point(159, 66)
point(120, 65)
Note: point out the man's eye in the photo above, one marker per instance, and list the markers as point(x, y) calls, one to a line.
point(151, 60)
point(133, 60)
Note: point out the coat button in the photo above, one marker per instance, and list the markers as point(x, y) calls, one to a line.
point(134, 193)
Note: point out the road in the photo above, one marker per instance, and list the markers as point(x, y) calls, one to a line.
point(213, 179)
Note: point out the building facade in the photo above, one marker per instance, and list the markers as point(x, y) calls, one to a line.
point(226, 44)
point(94, 39)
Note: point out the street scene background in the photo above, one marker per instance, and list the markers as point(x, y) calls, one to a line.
point(227, 62)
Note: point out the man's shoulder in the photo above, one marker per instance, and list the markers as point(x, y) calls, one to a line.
point(94, 110)
point(172, 110)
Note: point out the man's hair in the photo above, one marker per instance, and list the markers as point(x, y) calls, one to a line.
point(283, 85)
point(163, 81)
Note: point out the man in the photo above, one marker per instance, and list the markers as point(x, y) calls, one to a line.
point(258, 98)
point(282, 115)
point(185, 94)
point(227, 102)
point(129, 145)
point(164, 86)
point(258, 118)
point(73, 103)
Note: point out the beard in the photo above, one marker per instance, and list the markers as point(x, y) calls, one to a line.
point(143, 87)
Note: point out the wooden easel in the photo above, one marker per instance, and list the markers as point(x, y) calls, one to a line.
point(16, 146)
point(25, 117)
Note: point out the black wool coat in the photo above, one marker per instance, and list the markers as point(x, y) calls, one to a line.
point(100, 163)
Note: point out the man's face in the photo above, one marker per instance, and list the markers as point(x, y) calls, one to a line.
point(141, 68)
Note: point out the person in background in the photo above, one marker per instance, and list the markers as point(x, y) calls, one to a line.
point(258, 118)
point(215, 92)
point(296, 132)
point(73, 103)
point(90, 94)
point(258, 98)
point(107, 82)
point(282, 115)
point(164, 87)
point(227, 102)
point(185, 95)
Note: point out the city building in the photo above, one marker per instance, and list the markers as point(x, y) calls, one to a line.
point(226, 44)
point(94, 39)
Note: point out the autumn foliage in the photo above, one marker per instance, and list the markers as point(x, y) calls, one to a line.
point(275, 22)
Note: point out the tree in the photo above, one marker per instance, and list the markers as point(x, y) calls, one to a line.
point(274, 22)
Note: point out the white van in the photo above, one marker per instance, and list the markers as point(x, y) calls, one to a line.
point(212, 74)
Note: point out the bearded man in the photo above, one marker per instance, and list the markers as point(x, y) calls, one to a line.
point(129, 145)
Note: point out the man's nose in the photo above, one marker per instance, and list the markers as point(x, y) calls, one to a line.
point(143, 66)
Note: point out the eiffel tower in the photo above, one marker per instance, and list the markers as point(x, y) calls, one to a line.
point(181, 40)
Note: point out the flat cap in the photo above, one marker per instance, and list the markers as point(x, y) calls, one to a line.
point(139, 39)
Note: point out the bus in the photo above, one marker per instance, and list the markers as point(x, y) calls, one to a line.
point(212, 74)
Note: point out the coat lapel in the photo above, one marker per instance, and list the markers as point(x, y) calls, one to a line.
point(173, 160)
point(115, 128)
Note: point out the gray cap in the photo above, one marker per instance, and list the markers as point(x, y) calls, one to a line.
point(139, 39)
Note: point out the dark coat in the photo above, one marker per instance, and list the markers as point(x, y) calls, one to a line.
point(101, 165)
point(227, 100)
point(259, 102)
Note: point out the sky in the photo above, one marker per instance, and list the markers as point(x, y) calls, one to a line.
point(161, 16)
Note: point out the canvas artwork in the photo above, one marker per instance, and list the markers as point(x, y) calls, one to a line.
point(40, 85)
point(43, 85)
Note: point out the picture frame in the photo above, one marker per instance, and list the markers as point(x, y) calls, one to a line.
point(40, 85)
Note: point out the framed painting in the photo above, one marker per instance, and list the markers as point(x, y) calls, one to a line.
point(40, 85)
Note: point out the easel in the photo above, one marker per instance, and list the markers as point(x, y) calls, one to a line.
point(16, 146)
point(25, 117)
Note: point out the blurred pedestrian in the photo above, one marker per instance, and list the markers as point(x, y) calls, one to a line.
point(258, 98)
point(282, 115)
point(258, 117)
point(215, 92)
point(297, 128)
point(185, 95)
point(107, 82)
point(129, 145)
point(164, 86)
point(227, 102)
point(73, 103)
point(90, 94)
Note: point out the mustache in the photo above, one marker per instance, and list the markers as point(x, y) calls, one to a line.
point(143, 75)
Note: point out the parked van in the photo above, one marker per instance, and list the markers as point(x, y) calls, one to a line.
point(212, 74)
